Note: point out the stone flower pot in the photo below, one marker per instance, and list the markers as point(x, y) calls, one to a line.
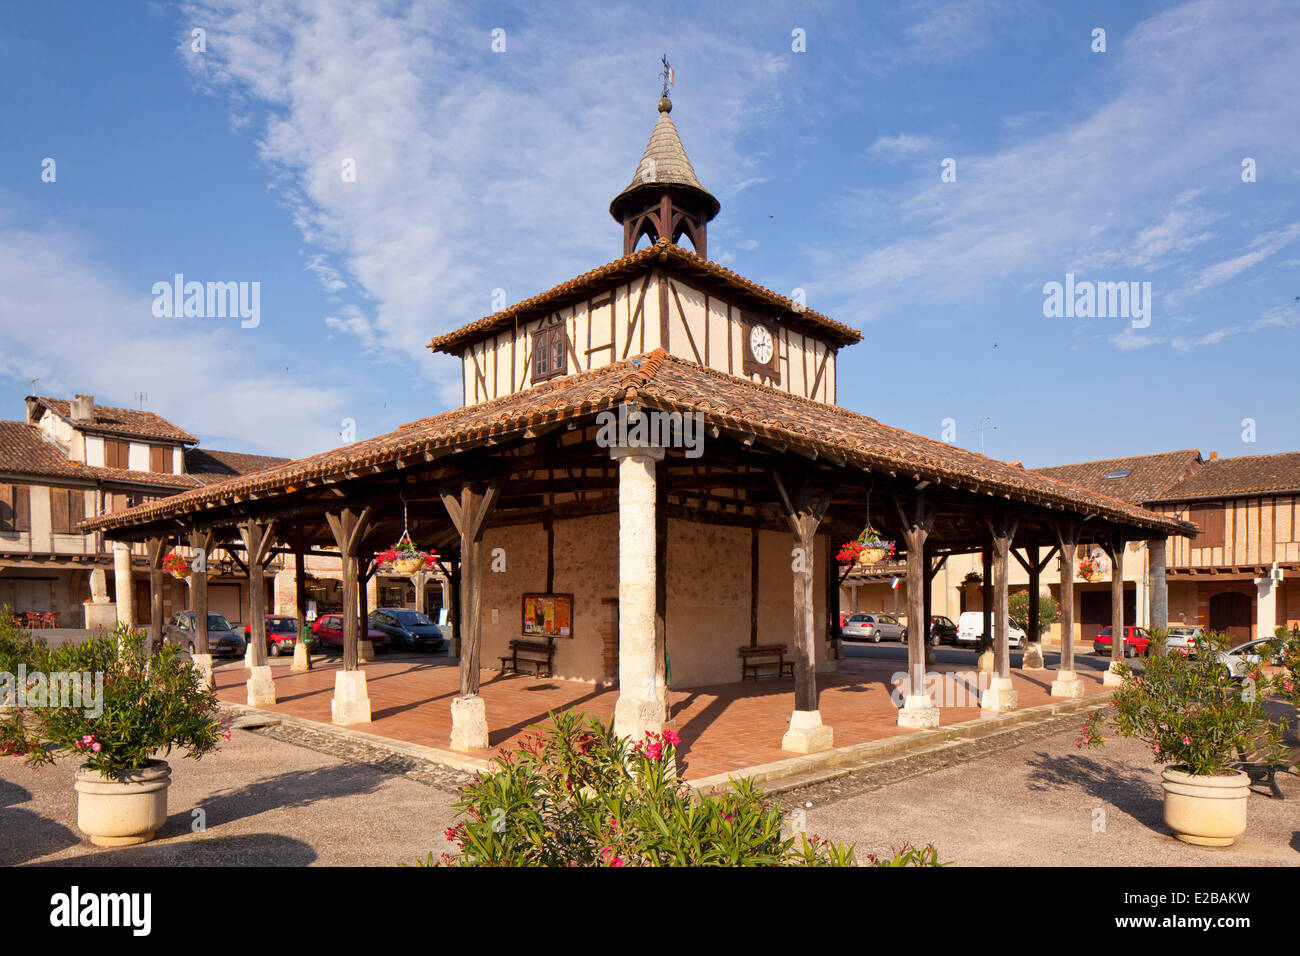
point(123, 812)
point(870, 556)
point(1207, 810)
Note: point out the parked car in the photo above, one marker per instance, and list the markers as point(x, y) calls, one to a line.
point(1240, 660)
point(1183, 637)
point(1136, 641)
point(281, 634)
point(970, 628)
point(407, 629)
point(873, 627)
point(942, 630)
point(222, 638)
point(328, 629)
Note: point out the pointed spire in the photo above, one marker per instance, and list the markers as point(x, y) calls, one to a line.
point(664, 165)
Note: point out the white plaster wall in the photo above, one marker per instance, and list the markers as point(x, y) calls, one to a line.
point(138, 456)
point(94, 451)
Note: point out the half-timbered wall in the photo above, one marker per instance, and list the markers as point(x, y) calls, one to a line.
point(1240, 532)
point(646, 313)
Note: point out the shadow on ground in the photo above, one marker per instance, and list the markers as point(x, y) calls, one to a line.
point(1129, 791)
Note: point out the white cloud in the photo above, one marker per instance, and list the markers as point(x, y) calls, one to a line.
point(1262, 247)
point(901, 146)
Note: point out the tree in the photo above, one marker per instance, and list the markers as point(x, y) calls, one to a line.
point(1049, 612)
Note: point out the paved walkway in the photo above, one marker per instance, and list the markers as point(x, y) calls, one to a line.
point(724, 728)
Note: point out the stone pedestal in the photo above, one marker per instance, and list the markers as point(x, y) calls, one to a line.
point(1112, 678)
point(203, 664)
point(301, 658)
point(1067, 684)
point(351, 703)
point(987, 662)
point(1000, 698)
point(261, 686)
point(365, 650)
point(807, 734)
point(918, 711)
point(468, 724)
point(1033, 659)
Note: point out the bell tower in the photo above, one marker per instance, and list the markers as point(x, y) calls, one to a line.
point(664, 199)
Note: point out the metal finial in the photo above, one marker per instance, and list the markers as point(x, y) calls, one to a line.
point(666, 75)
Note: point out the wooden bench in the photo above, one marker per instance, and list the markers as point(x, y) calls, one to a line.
point(763, 659)
point(537, 654)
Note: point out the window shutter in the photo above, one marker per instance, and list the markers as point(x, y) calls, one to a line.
point(7, 508)
point(59, 510)
point(22, 508)
point(76, 509)
point(160, 459)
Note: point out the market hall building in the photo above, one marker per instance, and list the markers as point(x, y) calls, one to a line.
point(648, 480)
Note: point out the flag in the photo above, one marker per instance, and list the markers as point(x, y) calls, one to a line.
point(893, 583)
point(671, 75)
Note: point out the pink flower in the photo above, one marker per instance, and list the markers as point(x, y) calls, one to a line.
point(87, 739)
point(95, 747)
point(655, 751)
point(672, 738)
point(1186, 742)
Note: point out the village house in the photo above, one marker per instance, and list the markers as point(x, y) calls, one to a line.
point(624, 562)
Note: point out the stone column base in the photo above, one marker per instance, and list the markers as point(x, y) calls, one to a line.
point(1112, 678)
point(365, 650)
point(918, 711)
point(351, 703)
point(1000, 698)
point(468, 724)
point(1033, 658)
point(301, 658)
point(986, 662)
point(807, 734)
point(633, 718)
point(203, 664)
point(1067, 684)
point(261, 686)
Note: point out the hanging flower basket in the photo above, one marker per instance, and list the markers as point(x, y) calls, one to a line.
point(1092, 569)
point(176, 565)
point(405, 558)
point(867, 549)
point(870, 556)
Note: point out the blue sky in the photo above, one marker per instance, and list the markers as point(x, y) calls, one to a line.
point(479, 170)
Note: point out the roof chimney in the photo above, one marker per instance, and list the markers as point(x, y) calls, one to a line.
point(83, 408)
point(1214, 456)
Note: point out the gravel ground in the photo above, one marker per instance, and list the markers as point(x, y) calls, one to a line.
point(267, 802)
point(1043, 803)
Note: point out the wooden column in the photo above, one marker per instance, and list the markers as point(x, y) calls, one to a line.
point(468, 512)
point(201, 543)
point(1067, 683)
point(299, 581)
point(916, 517)
point(349, 527)
point(1035, 571)
point(154, 548)
point(1114, 548)
point(803, 513)
point(258, 537)
point(1000, 696)
point(417, 580)
point(986, 588)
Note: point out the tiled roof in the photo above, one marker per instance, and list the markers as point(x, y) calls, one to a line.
point(207, 467)
point(635, 263)
point(121, 421)
point(663, 381)
point(1148, 475)
point(1227, 477)
point(664, 163)
point(24, 451)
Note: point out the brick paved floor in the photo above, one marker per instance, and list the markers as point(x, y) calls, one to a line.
point(723, 727)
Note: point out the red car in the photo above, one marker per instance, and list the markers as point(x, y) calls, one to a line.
point(281, 634)
point(1136, 641)
point(329, 630)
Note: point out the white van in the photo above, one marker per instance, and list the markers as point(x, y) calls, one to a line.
point(971, 625)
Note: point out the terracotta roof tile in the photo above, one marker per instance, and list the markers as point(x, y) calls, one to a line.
point(121, 421)
point(636, 263)
point(1147, 475)
point(208, 466)
point(24, 451)
point(661, 380)
point(1249, 474)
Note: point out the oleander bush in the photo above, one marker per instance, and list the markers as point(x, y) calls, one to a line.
point(576, 794)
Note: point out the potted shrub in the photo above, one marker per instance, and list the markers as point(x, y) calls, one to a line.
point(146, 705)
point(174, 563)
point(1201, 724)
point(405, 558)
point(576, 794)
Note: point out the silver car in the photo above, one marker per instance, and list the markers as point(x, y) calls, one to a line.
point(1244, 658)
point(1183, 637)
point(872, 627)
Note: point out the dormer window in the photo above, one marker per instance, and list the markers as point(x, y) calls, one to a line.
point(550, 353)
point(1120, 474)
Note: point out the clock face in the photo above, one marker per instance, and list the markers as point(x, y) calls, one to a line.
point(760, 344)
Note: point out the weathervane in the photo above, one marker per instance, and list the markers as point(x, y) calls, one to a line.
point(667, 74)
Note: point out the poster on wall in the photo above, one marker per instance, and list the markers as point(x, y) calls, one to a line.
point(548, 615)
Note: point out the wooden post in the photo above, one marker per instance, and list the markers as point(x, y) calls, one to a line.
point(1067, 683)
point(1114, 548)
point(916, 517)
point(1035, 570)
point(349, 527)
point(986, 588)
point(1000, 696)
point(258, 537)
point(154, 548)
point(200, 542)
point(803, 513)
